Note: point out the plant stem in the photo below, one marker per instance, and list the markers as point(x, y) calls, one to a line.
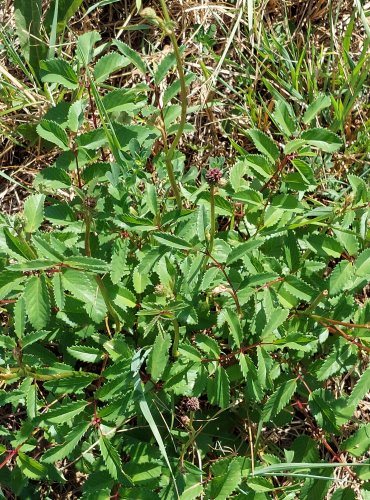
point(176, 339)
point(212, 228)
point(232, 288)
point(183, 98)
point(213, 220)
point(323, 320)
point(87, 233)
point(173, 182)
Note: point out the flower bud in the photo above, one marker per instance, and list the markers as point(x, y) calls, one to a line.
point(150, 14)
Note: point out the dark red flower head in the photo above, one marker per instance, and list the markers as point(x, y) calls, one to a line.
point(192, 404)
point(213, 176)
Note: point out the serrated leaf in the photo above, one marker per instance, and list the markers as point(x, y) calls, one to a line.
point(359, 443)
point(291, 251)
point(140, 281)
point(90, 264)
point(208, 345)
point(62, 451)
point(108, 64)
point(125, 298)
point(119, 268)
point(163, 68)
point(33, 212)
point(64, 413)
point(85, 46)
point(94, 139)
point(112, 460)
point(338, 360)
point(278, 317)
point(259, 164)
point(10, 282)
point(31, 399)
point(305, 172)
point(85, 353)
point(322, 411)
point(32, 265)
point(321, 102)
point(15, 246)
point(151, 258)
point(221, 487)
point(202, 222)
point(296, 341)
point(211, 277)
point(362, 264)
point(76, 115)
point(251, 198)
point(323, 139)
point(36, 297)
point(132, 55)
point(79, 284)
point(360, 189)
point(188, 315)
point(30, 467)
point(7, 342)
point(172, 241)
point(236, 176)
point(52, 178)
point(341, 277)
point(58, 291)
point(158, 358)
point(19, 317)
point(298, 288)
point(361, 389)
point(54, 133)
point(123, 100)
point(85, 288)
point(58, 71)
point(243, 249)
point(264, 144)
point(31, 338)
point(279, 400)
point(349, 241)
point(49, 248)
point(218, 388)
point(74, 384)
point(233, 321)
point(324, 245)
point(282, 116)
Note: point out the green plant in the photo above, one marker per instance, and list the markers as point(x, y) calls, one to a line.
point(153, 343)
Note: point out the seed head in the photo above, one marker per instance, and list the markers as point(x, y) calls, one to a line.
point(90, 202)
point(192, 404)
point(213, 176)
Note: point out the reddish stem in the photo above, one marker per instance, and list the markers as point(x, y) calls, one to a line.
point(11, 454)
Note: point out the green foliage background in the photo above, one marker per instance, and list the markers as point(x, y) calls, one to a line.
point(169, 335)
